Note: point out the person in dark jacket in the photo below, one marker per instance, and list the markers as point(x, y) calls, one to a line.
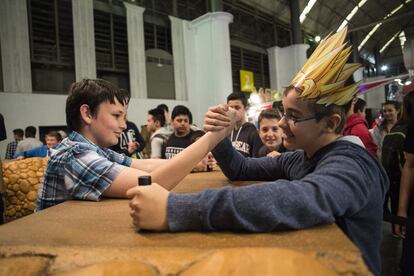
point(183, 136)
point(357, 125)
point(244, 136)
point(406, 199)
point(130, 142)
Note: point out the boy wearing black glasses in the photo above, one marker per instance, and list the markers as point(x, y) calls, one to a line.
point(328, 179)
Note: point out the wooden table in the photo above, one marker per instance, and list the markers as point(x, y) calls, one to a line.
point(76, 234)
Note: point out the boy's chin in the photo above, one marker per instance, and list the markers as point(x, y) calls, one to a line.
point(109, 144)
point(289, 145)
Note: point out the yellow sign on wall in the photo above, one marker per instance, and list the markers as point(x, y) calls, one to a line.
point(246, 81)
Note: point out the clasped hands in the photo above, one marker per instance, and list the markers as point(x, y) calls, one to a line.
point(221, 119)
point(149, 203)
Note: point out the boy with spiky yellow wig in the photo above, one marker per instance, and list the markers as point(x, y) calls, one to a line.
point(329, 178)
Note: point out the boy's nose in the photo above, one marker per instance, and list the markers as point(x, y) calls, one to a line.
point(123, 125)
point(282, 122)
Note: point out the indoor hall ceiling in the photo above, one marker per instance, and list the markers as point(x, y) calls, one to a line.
point(327, 15)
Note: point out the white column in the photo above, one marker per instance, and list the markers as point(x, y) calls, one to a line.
point(179, 54)
point(84, 39)
point(408, 55)
point(136, 51)
point(375, 96)
point(15, 46)
point(358, 74)
point(208, 61)
point(285, 63)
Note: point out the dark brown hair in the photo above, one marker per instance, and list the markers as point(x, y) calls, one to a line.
point(18, 132)
point(30, 131)
point(157, 115)
point(92, 93)
point(55, 134)
point(397, 106)
point(182, 110)
point(237, 96)
point(269, 114)
point(359, 105)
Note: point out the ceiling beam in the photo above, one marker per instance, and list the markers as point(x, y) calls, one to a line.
point(396, 17)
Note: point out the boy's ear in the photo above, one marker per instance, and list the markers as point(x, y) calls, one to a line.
point(85, 114)
point(332, 122)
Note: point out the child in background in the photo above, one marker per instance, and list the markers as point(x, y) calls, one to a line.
point(243, 137)
point(270, 133)
point(52, 139)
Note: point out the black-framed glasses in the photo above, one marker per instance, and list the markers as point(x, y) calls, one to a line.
point(291, 119)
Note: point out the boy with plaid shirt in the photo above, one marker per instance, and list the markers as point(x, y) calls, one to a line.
point(82, 167)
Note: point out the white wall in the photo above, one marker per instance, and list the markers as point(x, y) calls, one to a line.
point(21, 110)
point(207, 61)
point(376, 96)
point(285, 63)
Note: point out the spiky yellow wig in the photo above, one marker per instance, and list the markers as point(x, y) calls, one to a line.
point(323, 76)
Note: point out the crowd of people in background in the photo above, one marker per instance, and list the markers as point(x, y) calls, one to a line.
point(164, 136)
point(28, 146)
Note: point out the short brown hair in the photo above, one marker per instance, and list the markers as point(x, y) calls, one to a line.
point(55, 134)
point(92, 93)
point(269, 114)
point(18, 132)
point(157, 115)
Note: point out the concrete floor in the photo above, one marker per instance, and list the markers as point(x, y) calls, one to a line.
point(390, 252)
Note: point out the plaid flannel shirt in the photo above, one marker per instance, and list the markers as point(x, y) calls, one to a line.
point(11, 149)
point(78, 169)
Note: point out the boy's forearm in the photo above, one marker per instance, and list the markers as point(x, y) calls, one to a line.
point(147, 165)
point(127, 178)
point(184, 162)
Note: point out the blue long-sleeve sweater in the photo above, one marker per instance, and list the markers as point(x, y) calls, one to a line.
point(34, 152)
point(341, 183)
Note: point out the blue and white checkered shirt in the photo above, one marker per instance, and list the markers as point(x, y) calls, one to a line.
point(78, 169)
point(11, 149)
